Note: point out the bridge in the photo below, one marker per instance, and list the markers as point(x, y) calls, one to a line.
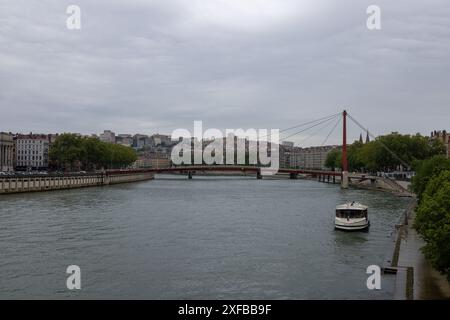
point(362, 180)
point(258, 171)
point(322, 175)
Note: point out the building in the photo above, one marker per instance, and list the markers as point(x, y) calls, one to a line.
point(310, 158)
point(125, 140)
point(288, 144)
point(108, 136)
point(140, 141)
point(153, 159)
point(444, 136)
point(159, 163)
point(142, 162)
point(160, 139)
point(52, 138)
point(286, 152)
point(32, 151)
point(7, 151)
point(361, 138)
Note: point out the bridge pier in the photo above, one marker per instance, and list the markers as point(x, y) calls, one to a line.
point(258, 175)
point(334, 179)
point(328, 178)
point(190, 175)
point(344, 182)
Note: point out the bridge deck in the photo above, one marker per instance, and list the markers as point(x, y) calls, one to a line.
point(252, 169)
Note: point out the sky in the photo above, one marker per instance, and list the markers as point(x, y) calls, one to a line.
point(143, 66)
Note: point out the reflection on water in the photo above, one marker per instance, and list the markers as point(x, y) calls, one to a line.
point(206, 238)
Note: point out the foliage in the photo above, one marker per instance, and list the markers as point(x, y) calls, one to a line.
point(375, 156)
point(433, 221)
point(72, 152)
point(426, 170)
point(333, 159)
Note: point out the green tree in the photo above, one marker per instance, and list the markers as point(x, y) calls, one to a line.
point(437, 147)
point(333, 159)
point(354, 156)
point(120, 156)
point(433, 221)
point(387, 152)
point(72, 152)
point(425, 171)
point(66, 151)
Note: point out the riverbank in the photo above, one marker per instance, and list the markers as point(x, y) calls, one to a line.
point(38, 183)
point(416, 279)
point(398, 188)
point(428, 283)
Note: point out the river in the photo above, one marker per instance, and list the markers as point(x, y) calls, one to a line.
point(206, 238)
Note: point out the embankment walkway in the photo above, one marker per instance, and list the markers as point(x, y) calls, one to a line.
point(35, 183)
point(428, 283)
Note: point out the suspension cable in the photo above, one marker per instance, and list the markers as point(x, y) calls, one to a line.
point(323, 120)
point(382, 144)
point(326, 123)
point(310, 127)
point(332, 130)
point(327, 119)
point(302, 125)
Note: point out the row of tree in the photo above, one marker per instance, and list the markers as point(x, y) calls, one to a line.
point(432, 186)
point(71, 152)
point(386, 153)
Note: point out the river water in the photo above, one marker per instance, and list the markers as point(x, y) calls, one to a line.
point(206, 238)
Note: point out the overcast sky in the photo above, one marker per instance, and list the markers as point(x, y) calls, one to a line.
point(141, 66)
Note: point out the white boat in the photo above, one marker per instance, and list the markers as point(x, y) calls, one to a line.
point(351, 216)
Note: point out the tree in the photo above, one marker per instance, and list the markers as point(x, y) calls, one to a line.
point(65, 151)
point(425, 171)
point(433, 221)
point(72, 152)
point(387, 152)
point(355, 161)
point(333, 159)
point(120, 156)
point(437, 147)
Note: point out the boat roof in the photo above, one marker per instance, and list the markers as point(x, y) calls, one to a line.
point(351, 206)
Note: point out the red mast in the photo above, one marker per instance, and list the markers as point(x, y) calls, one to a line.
point(344, 142)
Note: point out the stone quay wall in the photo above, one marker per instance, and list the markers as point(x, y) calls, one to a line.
point(34, 183)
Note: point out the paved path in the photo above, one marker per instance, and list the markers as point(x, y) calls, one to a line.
point(428, 283)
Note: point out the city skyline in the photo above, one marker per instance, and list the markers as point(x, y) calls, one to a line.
point(152, 67)
point(355, 136)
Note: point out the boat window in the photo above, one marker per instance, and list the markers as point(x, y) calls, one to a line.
point(351, 213)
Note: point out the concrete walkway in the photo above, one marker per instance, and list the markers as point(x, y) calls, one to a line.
point(428, 283)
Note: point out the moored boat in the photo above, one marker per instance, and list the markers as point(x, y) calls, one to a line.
point(351, 216)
